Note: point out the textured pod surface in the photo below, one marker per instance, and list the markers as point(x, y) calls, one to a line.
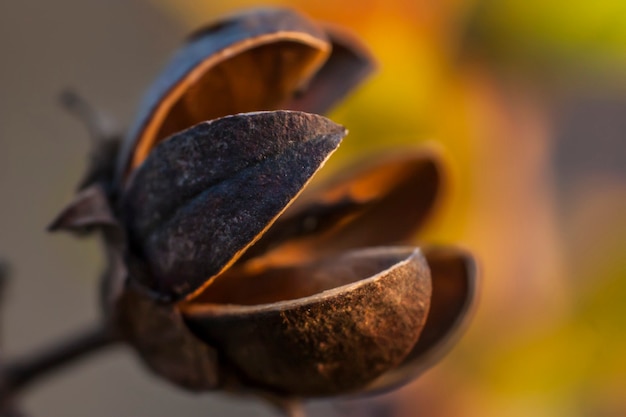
point(250, 62)
point(366, 317)
point(454, 285)
point(165, 344)
point(206, 194)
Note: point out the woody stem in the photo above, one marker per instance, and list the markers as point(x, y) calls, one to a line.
point(21, 372)
point(295, 409)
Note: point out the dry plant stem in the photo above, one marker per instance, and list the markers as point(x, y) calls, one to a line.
point(20, 373)
point(295, 409)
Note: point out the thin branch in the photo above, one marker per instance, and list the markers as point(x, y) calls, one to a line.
point(99, 125)
point(294, 409)
point(4, 277)
point(289, 407)
point(20, 373)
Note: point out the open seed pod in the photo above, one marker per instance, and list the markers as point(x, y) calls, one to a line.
point(380, 202)
point(300, 313)
point(236, 273)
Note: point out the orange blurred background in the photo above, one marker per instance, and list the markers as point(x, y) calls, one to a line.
point(526, 100)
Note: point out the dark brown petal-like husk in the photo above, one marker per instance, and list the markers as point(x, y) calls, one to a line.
point(381, 201)
point(329, 327)
point(90, 208)
point(454, 281)
point(250, 62)
point(349, 64)
point(203, 196)
point(89, 211)
point(164, 342)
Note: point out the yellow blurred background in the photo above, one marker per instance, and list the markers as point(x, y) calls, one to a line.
point(526, 98)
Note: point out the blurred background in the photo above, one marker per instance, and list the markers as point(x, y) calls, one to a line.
point(526, 97)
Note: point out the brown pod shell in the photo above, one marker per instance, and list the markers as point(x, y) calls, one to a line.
point(335, 341)
point(252, 61)
point(454, 275)
point(380, 201)
point(207, 193)
point(348, 65)
point(164, 342)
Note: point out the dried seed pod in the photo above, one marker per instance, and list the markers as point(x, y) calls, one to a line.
point(454, 283)
point(318, 329)
point(222, 271)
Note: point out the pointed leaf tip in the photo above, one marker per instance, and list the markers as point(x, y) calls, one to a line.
point(206, 194)
point(89, 208)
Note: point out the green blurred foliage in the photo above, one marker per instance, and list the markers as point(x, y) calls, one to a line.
point(558, 36)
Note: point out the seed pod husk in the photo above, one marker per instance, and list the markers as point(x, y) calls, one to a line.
point(365, 313)
point(454, 284)
point(206, 194)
